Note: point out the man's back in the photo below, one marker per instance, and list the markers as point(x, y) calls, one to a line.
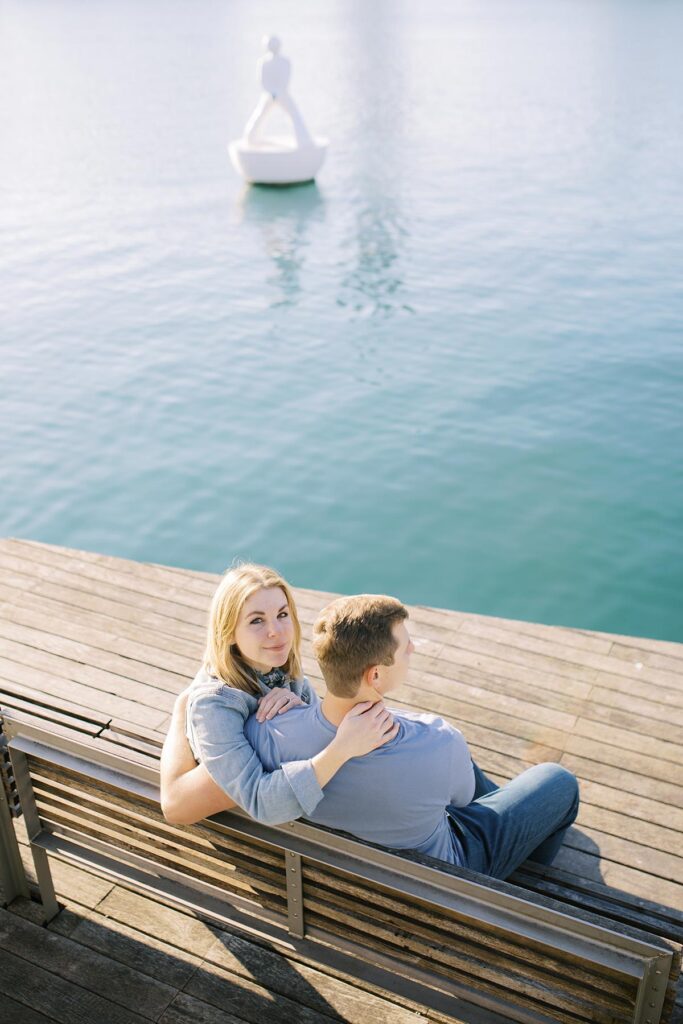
point(396, 795)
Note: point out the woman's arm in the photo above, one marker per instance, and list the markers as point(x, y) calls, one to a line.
point(188, 793)
point(230, 764)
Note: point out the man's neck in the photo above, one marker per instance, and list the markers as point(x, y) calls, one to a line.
point(334, 708)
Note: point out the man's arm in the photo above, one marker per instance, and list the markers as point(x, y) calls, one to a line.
point(188, 793)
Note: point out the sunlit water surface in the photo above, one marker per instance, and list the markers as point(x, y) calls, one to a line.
point(450, 370)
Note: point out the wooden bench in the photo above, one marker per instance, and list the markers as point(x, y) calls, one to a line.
point(455, 941)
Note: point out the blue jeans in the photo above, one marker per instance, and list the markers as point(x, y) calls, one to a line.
point(527, 818)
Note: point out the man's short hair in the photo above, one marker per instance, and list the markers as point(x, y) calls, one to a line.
point(351, 635)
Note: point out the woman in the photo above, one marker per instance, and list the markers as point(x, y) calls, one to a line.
point(252, 663)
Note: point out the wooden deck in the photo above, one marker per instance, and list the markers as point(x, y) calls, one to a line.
point(121, 638)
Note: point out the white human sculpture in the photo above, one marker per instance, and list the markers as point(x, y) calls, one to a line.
point(273, 160)
point(276, 71)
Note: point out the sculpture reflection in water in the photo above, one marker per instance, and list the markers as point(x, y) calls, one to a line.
point(373, 286)
point(379, 148)
point(284, 219)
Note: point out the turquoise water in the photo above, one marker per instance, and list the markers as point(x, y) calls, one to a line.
point(452, 369)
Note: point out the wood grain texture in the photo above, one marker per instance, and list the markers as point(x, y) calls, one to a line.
point(112, 640)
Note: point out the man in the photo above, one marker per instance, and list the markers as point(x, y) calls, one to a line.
point(420, 790)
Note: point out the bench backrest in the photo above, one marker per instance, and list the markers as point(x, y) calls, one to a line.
point(454, 935)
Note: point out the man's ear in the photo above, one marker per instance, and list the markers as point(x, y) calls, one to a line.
point(371, 676)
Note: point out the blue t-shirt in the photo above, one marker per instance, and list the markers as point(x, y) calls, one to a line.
point(395, 796)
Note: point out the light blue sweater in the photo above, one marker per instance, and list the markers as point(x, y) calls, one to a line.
point(398, 794)
point(216, 714)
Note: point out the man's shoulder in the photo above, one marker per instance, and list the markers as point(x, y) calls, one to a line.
point(289, 723)
point(419, 728)
point(421, 720)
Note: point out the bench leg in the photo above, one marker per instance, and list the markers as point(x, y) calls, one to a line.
point(12, 874)
point(33, 827)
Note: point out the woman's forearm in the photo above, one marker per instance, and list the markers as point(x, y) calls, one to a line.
point(188, 793)
point(327, 763)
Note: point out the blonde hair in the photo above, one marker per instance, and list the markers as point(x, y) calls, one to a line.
point(222, 657)
point(351, 635)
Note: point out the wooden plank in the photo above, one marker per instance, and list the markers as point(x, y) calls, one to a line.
point(642, 671)
point(466, 646)
point(478, 714)
point(62, 1001)
point(48, 625)
point(620, 876)
point(86, 968)
point(672, 661)
point(525, 994)
point(672, 648)
point(86, 575)
point(192, 580)
point(439, 676)
point(668, 793)
point(453, 659)
point(273, 1000)
point(68, 879)
point(38, 704)
point(627, 804)
point(622, 757)
point(186, 1009)
point(182, 931)
point(245, 876)
point(124, 734)
point(303, 984)
point(152, 918)
point(425, 686)
point(658, 692)
point(645, 833)
point(399, 919)
point(144, 951)
point(18, 600)
point(14, 637)
point(176, 615)
point(636, 742)
point(660, 865)
point(645, 716)
point(638, 913)
point(12, 654)
point(89, 698)
point(563, 636)
point(19, 1013)
point(104, 605)
point(531, 750)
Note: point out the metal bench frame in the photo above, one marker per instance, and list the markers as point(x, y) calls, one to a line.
point(497, 904)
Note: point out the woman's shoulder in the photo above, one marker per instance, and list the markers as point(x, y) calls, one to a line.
point(208, 691)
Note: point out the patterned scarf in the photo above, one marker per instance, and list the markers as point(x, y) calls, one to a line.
point(276, 677)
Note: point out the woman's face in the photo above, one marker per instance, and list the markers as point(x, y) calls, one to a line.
point(264, 631)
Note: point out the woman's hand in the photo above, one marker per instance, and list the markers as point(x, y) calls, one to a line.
point(275, 703)
point(364, 728)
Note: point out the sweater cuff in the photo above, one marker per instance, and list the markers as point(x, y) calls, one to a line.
point(301, 777)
